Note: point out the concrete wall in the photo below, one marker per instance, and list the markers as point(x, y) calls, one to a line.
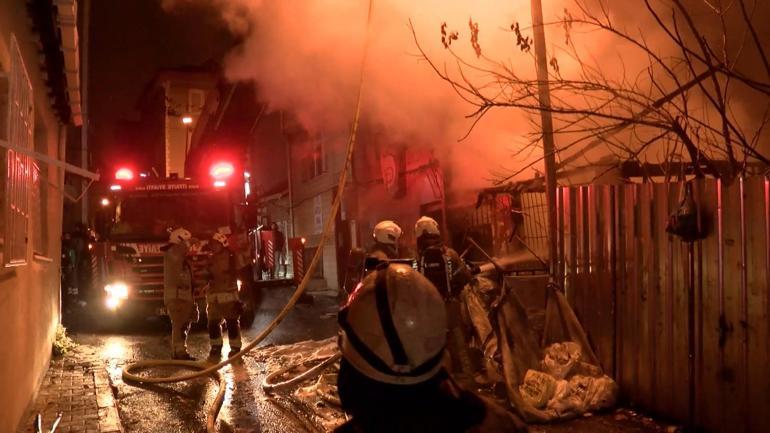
point(306, 226)
point(310, 194)
point(29, 294)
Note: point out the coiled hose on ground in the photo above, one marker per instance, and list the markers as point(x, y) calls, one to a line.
point(130, 371)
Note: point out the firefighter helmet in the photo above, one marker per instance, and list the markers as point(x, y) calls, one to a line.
point(394, 327)
point(426, 226)
point(387, 232)
point(221, 238)
point(179, 235)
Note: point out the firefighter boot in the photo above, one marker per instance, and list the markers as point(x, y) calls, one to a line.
point(184, 356)
point(216, 352)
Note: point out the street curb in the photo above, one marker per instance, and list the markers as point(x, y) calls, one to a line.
point(109, 418)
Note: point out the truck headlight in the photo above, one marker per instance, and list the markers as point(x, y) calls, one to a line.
point(117, 290)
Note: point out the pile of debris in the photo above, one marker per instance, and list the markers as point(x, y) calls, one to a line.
point(541, 357)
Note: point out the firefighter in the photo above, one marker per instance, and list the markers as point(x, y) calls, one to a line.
point(178, 291)
point(438, 262)
point(447, 271)
point(386, 234)
point(391, 378)
point(222, 303)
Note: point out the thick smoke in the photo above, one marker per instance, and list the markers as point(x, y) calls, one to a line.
point(306, 58)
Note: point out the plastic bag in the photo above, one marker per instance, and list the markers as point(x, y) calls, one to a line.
point(566, 402)
point(583, 394)
point(684, 222)
point(538, 388)
point(561, 358)
point(602, 394)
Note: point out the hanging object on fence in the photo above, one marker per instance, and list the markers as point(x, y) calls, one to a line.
point(684, 222)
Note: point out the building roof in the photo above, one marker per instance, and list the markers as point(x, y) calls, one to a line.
point(55, 22)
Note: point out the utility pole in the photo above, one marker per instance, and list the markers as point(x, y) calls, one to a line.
point(549, 148)
point(86, 118)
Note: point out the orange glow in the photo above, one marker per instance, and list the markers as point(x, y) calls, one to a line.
point(187, 120)
point(124, 174)
point(105, 202)
point(221, 170)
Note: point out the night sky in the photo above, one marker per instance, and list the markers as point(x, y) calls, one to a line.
point(130, 41)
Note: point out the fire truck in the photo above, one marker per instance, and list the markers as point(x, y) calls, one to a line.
point(136, 213)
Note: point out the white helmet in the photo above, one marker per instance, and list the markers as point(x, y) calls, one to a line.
point(387, 232)
point(221, 238)
point(426, 226)
point(394, 327)
point(179, 235)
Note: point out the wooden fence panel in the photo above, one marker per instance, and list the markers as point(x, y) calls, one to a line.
point(605, 315)
point(583, 299)
point(708, 402)
point(627, 295)
point(758, 279)
point(733, 395)
point(663, 369)
point(684, 327)
point(645, 350)
point(680, 314)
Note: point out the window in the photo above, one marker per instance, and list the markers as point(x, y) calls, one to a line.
point(314, 163)
point(19, 168)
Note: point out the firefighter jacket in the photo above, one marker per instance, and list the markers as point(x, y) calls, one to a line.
point(222, 280)
point(382, 251)
point(445, 269)
point(436, 406)
point(177, 274)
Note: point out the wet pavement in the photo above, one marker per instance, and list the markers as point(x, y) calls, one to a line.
point(181, 407)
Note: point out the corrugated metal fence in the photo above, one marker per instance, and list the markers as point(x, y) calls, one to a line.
point(684, 327)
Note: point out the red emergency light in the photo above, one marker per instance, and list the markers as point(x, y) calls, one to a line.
point(124, 174)
point(221, 170)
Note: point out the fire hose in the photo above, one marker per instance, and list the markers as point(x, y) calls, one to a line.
point(205, 370)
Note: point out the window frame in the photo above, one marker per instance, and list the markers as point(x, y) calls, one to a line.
point(19, 168)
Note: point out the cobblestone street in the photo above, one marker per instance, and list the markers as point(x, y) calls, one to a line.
point(77, 386)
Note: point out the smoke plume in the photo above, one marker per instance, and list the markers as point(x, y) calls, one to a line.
point(305, 57)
